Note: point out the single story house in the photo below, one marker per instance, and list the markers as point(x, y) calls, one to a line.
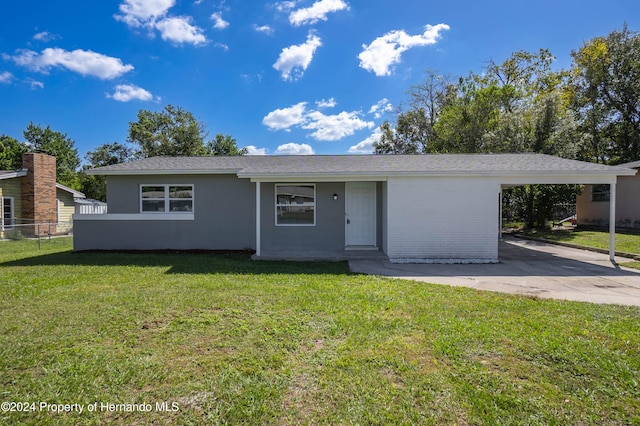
point(31, 195)
point(411, 208)
point(592, 205)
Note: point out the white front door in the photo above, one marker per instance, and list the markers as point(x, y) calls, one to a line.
point(360, 214)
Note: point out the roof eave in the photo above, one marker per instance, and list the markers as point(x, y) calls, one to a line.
point(98, 172)
point(11, 175)
point(76, 194)
point(384, 175)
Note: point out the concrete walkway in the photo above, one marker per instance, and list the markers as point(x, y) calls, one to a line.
point(528, 268)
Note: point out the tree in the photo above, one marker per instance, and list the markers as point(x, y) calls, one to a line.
point(58, 145)
point(108, 154)
point(414, 130)
point(519, 105)
point(410, 136)
point(171, 132)
point(473, 112)
point(224, 145)
point(104, 155)
point(11, 153)
point(607, 90)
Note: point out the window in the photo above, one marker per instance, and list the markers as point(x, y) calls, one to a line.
point(600, 192)
point(296, 205)
point(7, 212)
point(166, 198)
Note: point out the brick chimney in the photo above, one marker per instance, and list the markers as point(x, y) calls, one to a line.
point(39, 202)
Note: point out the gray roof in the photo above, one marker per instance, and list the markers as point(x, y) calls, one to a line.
point(359, 165)
point(10, 174)
point(631, 165)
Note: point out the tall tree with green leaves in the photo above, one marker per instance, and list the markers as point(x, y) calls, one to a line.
point(11, 153)
point(519, 105)
point(224, 145)
point(607, 95)
point(170, 132)
point(414, 130)
point(104, 155)
point(58, 145)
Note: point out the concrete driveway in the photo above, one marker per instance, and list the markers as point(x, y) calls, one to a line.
point(529, 268)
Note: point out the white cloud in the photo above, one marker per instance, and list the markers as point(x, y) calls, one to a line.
point(45, 36)
point(295, 149)
point(317, 12)
point(36, 84)
point(382, 106)
point(283, 119)
point(179, 30)
point(252, 78)
point(295, 59)
point(366, 146)
point(138, 13)
point(218, 22)
point(285, 6)
point(129, 92)
point(265, 29)
point(5, 77)
point(84, 62)
point(252, 150)
point(326, 103)
point(325, 127)
point(152, 15)
point(385, 51)
point(334, 127)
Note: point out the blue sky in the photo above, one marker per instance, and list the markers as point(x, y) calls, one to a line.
point(282, 77)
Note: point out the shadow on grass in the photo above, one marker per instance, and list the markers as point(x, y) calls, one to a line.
point(183, 263)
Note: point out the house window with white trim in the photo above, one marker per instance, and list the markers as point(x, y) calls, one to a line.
point(295, 204)
point(600, 192)
point(166, 198)
point(7, 219)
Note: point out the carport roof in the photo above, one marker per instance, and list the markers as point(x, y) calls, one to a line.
point(631, 165)
point(364, 165)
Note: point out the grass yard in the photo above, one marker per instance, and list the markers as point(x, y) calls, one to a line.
point(625, 242)
point(224, 340)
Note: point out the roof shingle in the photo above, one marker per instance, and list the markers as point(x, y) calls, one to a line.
point(327, 165)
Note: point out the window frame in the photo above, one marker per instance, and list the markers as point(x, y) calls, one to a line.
point(605, 194)
point(166, 198)
point(276, 204)
point(12, 213)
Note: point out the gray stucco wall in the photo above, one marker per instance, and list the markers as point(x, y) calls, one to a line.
point(224, 217)
point(326, 235)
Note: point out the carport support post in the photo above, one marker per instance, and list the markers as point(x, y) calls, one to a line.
point(612, 221)
point(257, 218)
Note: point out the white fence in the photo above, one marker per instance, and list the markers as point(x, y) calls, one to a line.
point(85, 207)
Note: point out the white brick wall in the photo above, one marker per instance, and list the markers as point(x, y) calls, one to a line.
point(442, 218)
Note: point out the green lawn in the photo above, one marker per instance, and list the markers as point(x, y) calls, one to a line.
point(625, 242)
point(225, 340)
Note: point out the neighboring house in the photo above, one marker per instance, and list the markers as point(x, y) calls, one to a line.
point(592, 205)
point(32, 196)
point(410, 208)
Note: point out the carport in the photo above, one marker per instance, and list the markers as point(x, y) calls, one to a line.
point(527, 268)
point(575, 177)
